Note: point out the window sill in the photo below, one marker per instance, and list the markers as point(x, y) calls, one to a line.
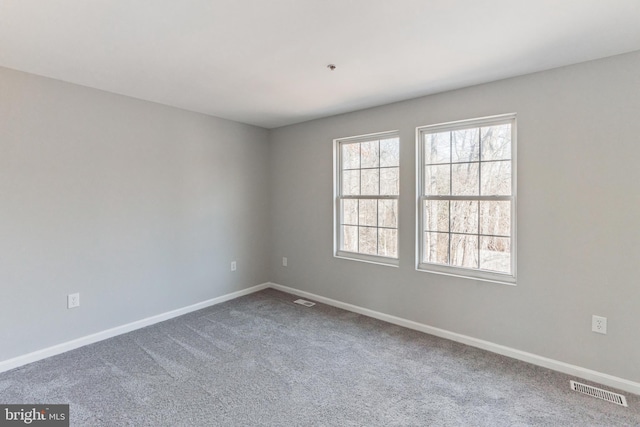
point(484, 276)
point(371, 259)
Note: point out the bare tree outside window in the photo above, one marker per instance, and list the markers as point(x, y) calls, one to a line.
point(368, 171)
point(467, 196)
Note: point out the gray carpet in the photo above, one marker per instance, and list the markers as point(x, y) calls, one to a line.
point(261, 360)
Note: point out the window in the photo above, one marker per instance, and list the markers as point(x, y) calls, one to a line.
point(467, 199)
point(367, 170)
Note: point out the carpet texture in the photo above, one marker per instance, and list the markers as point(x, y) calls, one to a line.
point(262, 360)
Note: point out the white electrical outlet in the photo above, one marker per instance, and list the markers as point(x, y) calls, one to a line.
point(233, 266)
point(284, 261)
point(599, 324)
point(73, 300)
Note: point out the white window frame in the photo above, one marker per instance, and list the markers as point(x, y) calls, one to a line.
point(337, 197)
point(476, 274)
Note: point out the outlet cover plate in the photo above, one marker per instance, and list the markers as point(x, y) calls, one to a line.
point(73, 300)
point(599, 324)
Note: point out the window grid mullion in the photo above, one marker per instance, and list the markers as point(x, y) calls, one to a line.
point(388, 228)
point(479, 185)
point(450, 193)
point(393, 167)
point(370, 197)
point(360, 168)
point(379, 178)
point(460, 233)
point(341, 229)
point(378, 204)
point(358, 229)
point(377, 228)
point(478, 198)
point(455, 163)
point(359, 193)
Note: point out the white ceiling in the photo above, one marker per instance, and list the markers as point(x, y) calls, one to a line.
point(264, 62)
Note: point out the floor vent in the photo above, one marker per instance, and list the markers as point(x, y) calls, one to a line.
point(305, 302)
point(616, 398)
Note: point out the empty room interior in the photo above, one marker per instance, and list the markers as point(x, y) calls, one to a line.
point(320, 212)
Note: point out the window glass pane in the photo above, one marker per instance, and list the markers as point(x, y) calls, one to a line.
point(349, 238)
point(496, 178)
point(388, 213)
point(437, 180)
point(388, 242)
point(495, 254)
point(389, 181)
point(350, 156)
point(436, 248)
point(437, 147)
point(368, 240)
point(369, 154)
point(465, 145)
point(370, 181)
point(464, 216)
point(351, 183)
point(464, 179)
point(390, 152)
point(496, 142)
point(495, 218)
point(368, 212)
point(464, 251)
point(350, 212)
point(436, 215)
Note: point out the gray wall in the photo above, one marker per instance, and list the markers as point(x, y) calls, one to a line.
point(137, 206)
point(578, 216)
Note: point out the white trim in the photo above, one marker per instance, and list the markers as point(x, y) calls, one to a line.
point(367, 136)
point(16, 362)
point(545, 362)
point(469, 123)
point(371, 259)
point(481, 275)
